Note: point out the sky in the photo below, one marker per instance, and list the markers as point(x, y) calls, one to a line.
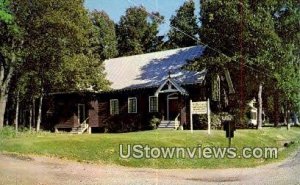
point(116, 8)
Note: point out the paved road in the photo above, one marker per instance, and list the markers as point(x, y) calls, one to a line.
point(42, 170)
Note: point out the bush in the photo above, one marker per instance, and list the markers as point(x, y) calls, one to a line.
point(154, 122)
point(10, 132)
point(216, 122)
point(23, 129)
point(200, 121)
point(241, 123)
point(7, 132)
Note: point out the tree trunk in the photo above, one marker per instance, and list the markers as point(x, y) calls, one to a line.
point(259, 116)
point(5, 76)
point(276, 109)
point(3, 96)
point(30, 117)
point(39, 120)
point(285, 112)
point(17, 114)
point(288, 116)
point(3, 99)
point(24, 118)
point(33, 114)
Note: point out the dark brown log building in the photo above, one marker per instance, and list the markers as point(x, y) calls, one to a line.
point(147, 86)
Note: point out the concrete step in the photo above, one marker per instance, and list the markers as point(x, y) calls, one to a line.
point(79, 130)
point(167, 124)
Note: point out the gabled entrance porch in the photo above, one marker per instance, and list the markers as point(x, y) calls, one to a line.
point(172, 101)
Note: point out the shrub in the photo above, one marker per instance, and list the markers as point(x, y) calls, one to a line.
point(10, 132)
point(154, 122)
point(7, 132)
point(200, 121)
point(23, 129)
point(216, 122)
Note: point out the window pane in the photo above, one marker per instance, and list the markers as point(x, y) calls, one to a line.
point(132, 105)
point(114, 107)
point(129, 105)
point(253, 115)
point(153, 104)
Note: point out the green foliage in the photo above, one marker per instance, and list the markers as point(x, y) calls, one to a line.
point(137, 32)
point(78, 67)
point(185, 20)
point(104, 40)
point(47, 46)
point(288, 70)
point(287, 21)
point(154, 122)
point(9, 34)
point(216, 122)
point(5, 15)
point(57, 49)
point(256, 33)
point(7, 132)
point(10, 39)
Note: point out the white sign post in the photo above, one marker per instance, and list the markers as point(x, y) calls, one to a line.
point(201, 107)
point(191, 115)
point(208, 117)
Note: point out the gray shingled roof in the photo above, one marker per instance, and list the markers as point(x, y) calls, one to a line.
point(151, 69)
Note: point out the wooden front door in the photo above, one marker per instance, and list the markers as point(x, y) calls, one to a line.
point(173, 108)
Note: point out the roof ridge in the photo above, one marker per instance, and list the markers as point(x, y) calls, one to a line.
point(169, 50)
point(149, 69)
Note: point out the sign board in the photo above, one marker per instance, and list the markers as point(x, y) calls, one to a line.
point(199, 107)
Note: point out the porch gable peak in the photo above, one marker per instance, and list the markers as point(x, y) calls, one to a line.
point(171, 87)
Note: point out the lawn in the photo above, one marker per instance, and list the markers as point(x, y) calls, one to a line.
point(104, 148)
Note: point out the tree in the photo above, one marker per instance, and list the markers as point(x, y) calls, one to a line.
point(288, 70)
point(104, 40)
point(137, 32)
point(9, 39)
point(56, 46)
point(242, 36)
point(183, 26)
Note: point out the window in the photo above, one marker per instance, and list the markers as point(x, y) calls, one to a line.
point(132, 105)
point(153, 104)
point(253, 115)
point(114, 106)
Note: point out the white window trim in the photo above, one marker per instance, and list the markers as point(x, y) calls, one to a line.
point(150, 102)
point(132, 98)
point(110, 107)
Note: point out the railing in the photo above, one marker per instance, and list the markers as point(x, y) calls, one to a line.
point(177, 122)
point(83, 126)
point(84, 123)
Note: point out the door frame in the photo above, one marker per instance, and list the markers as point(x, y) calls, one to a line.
point(79, 112)
point(168, 103)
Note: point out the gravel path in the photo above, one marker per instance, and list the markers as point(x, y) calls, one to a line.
point(43, 170)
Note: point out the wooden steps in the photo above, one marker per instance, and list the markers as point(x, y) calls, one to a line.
point(168, 125)
point(80, 130)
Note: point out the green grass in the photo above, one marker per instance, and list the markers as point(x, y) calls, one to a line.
point(104, 148)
